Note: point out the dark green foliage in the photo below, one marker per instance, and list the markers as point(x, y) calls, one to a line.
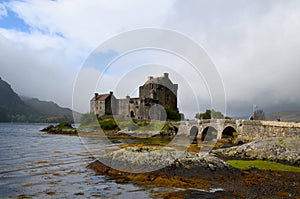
point(64, 125)
point(92, 119)
point(209, 114)
point(108, 124)
point(166, 127)
point(172, 114)
point(61, 128)
point(140, 123)
point(4, 114)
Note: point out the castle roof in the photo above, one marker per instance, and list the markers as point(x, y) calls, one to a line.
point(101, 97)
point(164, 81)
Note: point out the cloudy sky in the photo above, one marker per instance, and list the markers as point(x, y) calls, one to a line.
point(45, 47)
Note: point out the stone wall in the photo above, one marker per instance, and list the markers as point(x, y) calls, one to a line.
point(263, 129)
point(246, 129)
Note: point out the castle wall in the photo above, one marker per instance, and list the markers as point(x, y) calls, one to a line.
point(158, 90)
point(97, 107)
point(123, 107)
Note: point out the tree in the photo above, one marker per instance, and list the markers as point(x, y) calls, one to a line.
point(209, 114)
point(172, 114)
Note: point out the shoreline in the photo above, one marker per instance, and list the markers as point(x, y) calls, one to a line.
point(252, 182)
point(235, 183)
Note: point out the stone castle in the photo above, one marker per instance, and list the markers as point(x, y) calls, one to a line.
point(155, 91)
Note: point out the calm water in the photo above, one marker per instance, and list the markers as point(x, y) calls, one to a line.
point(34, 164)
point(38, 165)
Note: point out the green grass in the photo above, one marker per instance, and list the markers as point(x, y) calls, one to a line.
point(94, 125)
point(262, 165)
point(64, 125)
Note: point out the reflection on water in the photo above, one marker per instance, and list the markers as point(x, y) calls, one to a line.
point(38, 165)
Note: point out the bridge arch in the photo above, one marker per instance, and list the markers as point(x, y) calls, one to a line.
point(194, 134)
point(208, 133)
point(228, 132)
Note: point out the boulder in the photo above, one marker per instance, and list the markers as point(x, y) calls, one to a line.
point(147, 159)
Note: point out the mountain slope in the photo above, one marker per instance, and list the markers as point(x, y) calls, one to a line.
point(46, 108)
point(48, 111)
point(286, 116)
point(14, 108)
point(11, 104)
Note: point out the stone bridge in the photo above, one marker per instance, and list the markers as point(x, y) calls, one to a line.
point(242, 130)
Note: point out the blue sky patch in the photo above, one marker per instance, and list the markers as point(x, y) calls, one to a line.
point(13, 21)
point(100, 60)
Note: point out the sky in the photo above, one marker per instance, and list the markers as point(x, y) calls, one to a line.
point(253, 47)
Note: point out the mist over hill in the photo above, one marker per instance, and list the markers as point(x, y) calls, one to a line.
point(14, 108)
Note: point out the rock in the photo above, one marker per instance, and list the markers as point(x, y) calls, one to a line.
point(48, 128)
point(192, 171)
point(284, 150)
point(62, 128)
point(168, 130)
point(146, 159)
point(211, 167)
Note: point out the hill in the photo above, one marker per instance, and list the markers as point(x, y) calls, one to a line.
point(286, 116)
point(48, 111)
point(11, 105)
point(14, 108)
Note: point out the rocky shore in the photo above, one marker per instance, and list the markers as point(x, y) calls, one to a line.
point(144, 159)
point(156, 164)
point(61, 129)
point(282, 150)
point(194, 171)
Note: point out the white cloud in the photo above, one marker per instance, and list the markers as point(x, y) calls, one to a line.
point(254, 44)
point(62, 34)
point(91, 22)
point(36, 73)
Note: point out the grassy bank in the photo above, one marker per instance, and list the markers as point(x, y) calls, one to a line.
point(262, 165)
point(90, 122)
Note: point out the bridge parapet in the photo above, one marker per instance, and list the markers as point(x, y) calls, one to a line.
point(246, 129)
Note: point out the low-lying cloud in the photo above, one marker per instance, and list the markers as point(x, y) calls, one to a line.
point(255, 46)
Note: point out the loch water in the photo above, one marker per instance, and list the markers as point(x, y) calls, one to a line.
point(34, 164)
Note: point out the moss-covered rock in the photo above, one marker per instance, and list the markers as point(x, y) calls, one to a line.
point(63, 128)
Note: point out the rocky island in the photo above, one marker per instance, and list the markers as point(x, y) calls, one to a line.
point(63, 128)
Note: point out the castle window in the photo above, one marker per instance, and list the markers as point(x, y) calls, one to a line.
point(131, 114)
point(167, 97)
point(151, 86)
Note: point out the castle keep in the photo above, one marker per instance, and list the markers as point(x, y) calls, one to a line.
point(155, 91)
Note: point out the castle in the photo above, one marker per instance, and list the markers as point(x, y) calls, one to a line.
point(155, 91)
